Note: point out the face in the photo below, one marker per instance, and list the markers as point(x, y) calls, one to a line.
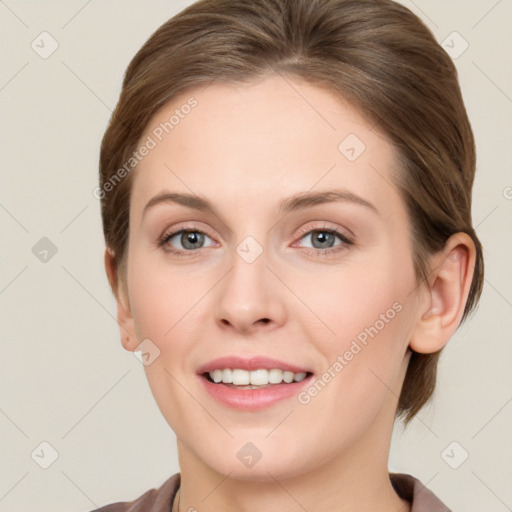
point(255, 269)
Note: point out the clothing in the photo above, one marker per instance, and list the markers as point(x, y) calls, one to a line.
point(407, 487)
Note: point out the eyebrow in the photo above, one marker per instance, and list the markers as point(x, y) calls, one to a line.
point(295, 202)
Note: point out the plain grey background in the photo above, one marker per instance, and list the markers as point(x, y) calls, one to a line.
point(66, 380)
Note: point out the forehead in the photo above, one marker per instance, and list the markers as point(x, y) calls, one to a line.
point(262, 141)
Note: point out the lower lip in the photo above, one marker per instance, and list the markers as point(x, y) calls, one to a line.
point(252, 399)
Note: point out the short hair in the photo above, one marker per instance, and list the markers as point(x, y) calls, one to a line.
point(375, 54)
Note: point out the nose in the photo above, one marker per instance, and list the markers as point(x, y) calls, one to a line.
point(250, 297)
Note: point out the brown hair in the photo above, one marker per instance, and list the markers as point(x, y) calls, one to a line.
point(374, 53)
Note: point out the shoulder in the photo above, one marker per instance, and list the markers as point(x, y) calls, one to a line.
point(412, 490)
point(154, 500)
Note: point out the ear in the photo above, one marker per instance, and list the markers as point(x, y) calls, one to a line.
point(446, 294)
point(124, 314)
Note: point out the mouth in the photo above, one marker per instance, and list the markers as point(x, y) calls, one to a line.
point(252, 384)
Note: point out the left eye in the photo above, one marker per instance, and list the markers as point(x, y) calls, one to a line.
point(324, 238)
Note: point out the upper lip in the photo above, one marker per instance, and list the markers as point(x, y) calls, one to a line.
point(249, 364)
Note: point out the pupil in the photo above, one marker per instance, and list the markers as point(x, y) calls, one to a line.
point(326, 238)
point(191, 238)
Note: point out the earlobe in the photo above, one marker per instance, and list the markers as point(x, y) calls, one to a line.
point(124, 314)
point(446, 296)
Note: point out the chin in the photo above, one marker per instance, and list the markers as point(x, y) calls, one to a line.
point(262, 471)
point(258, 461)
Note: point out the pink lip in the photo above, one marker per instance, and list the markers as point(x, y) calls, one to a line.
point(252, 363)
point(251, 399)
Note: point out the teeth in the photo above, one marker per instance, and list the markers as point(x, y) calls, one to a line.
point(241, 377)
point(275, 376)
point(256, 377)
point(288, 377)
point(216, 375)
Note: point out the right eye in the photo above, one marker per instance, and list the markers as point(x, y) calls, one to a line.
point(189, 239)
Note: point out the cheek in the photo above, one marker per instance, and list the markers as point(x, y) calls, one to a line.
point(362, 373)
point(349, 298)
point(367, 316)
point(164, 307)
point(163, 299)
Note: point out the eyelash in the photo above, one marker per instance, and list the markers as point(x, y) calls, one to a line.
point(331, 251)
point(175, 252)
point(346, 241)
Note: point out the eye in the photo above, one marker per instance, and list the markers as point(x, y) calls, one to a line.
point(323, 241)
point(188, 239)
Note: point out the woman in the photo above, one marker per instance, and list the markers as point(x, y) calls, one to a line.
point(286, 203)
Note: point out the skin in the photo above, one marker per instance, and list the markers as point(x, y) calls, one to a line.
point(245, 148)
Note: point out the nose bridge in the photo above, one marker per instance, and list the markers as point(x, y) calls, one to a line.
point(249, 292)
